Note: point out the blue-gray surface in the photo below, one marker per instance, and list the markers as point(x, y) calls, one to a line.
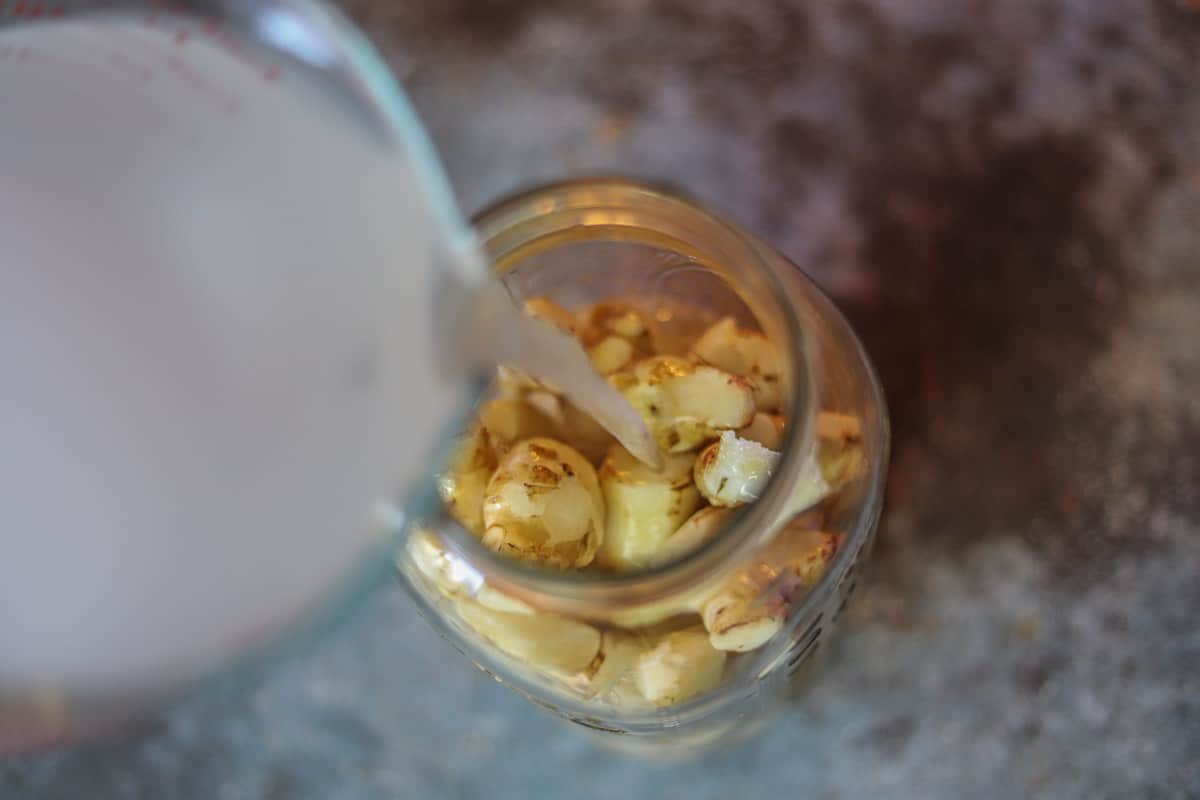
point(1005, 197)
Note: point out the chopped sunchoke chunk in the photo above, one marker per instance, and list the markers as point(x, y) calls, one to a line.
point(748, 354)
point(611, 354)
point(766, 429)
point(838, 460)
point(752, 605)
point(685, 404)
point(643, 506)
point(463, 484)
point(543, 640)
point(508, 420)
point(614, 318)
point(698, 529)
point(681, 665)
point(614, 663)
point(733, 471)
point(543, 504)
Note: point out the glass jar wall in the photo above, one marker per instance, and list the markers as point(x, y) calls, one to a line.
point(672, 632)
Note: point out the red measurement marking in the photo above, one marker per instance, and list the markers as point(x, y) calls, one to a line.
point(36, 11)
point(211, 27)
point(272, 72)
point(18, 9)
point(181, 37)
point(1, 6)
point(56, 12)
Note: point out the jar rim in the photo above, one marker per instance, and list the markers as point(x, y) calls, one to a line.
point(579, 593)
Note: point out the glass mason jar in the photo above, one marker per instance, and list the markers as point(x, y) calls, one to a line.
point(786, 563)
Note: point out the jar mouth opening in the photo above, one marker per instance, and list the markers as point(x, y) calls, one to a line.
point(538, 219)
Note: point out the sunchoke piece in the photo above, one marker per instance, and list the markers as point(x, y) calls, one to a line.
point(543, 504)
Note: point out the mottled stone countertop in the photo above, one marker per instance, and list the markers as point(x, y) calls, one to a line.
point(1005, 198)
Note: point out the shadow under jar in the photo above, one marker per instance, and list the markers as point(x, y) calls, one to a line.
point(671, 655)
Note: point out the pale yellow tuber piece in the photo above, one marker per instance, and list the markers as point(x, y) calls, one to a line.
point(675, 327)
point(835, 425)
point(698, 529)
point(508, 420)
point(496, 600)
point(546, 641)
point(454, 578)
point(738, 621)
point(625, 695)
point(462, 486)
point(610, 354)
point(681, 665)
point(686, 603)
point(802, 554)
point(543, 504)
point(685, 404)
point(643, 506)
point(613, 318)
point(733, 471)
point(751, 607)
point(839, 451)
point(748, 354)
point(810, 488)
point(614, 664)
point(766, 429)
point(838, 460)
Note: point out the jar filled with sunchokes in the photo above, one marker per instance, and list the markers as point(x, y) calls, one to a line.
point(668, 606)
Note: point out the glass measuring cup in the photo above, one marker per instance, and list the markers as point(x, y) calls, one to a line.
point(223, 235)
